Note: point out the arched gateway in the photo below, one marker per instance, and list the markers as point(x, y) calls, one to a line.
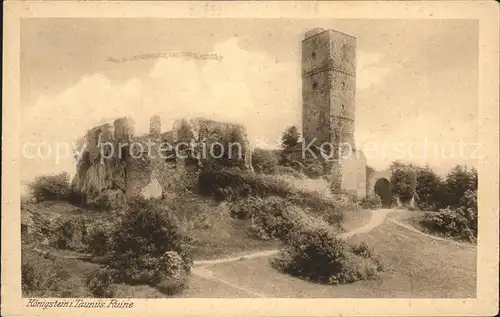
point(379, 184)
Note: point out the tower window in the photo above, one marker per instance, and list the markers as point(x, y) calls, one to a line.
point(343, 107)
point(313, 55)
point(315, 85)
point(342, 85)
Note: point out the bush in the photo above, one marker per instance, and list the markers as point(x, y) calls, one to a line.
point(460, 223)
point(372, 202)
point(245, 208)
point(316, 254)
point(313, 169)
point(172, 277)
point(264, 161)
point(47, 276)
point(70, 234)
point(288, 171)
point(56, 187)
point(275, 217)
point(146, 233)
point(30, 279)
point(101, 283)
point(98, 238)
point(237, 185)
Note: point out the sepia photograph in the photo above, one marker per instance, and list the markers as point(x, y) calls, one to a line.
point(233, 157)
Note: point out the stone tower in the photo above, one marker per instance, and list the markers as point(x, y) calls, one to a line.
point(328, 87)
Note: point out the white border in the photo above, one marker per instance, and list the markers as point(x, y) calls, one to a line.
point(486, 12)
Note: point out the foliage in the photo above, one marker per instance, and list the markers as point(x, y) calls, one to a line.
point(98, 238)
point(313, 168)
point(275, 217)
point(457, 183)
point(264, 161)
point(236, 185)
point(43, 275)
point(429, 189)
point(101, 283)
point(31, 280)
point(69, 234)
point(289, 171)
point(55, 187)
point(314, 253)
point(290, 137)
point(371, 202)
point(403, 181)
point(147, 231)
point(173, 275)
point(460, 223)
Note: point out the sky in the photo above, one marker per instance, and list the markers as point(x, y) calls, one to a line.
point(416, 97)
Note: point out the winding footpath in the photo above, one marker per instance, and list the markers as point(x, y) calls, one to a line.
point(200, 267)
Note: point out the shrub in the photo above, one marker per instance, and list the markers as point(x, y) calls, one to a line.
point(70, 234)
point(275, 217)
point(56, 187)
point(289, 171)
point(245, 208)
point(264, 161)
point(146, 233)
point(371, 202)
point(43, 275)
point(315, 254)
point(237, 185)
point(101, 283)
point(172, 277)
point(313, 169)
point(171, 286)
point(460, 223)
point(98, 238)
point(30, 279)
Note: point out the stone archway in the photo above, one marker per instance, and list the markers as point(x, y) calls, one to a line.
point(383, 189)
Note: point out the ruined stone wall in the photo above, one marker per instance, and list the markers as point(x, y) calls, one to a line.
point(353, 170)
point(205, 132)
point(98, 177)
point(136, 164)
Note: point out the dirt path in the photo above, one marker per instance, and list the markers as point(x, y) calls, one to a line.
point(377, 218)
point(413, 229)
point(200, 267)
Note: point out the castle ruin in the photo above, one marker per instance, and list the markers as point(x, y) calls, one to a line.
point(118, 165)
point(328, 117)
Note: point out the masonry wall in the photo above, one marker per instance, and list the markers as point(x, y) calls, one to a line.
point(354, 178)
point(328, 86)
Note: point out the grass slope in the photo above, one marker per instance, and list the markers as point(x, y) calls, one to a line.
point(419, 267)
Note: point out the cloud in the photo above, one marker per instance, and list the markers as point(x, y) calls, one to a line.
point(245, 87)
point(371, 71)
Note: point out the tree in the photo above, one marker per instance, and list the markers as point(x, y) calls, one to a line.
point(429, 189)
point(290, 137)
point(457, 182)
point(54, 187)
point(403, 181)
